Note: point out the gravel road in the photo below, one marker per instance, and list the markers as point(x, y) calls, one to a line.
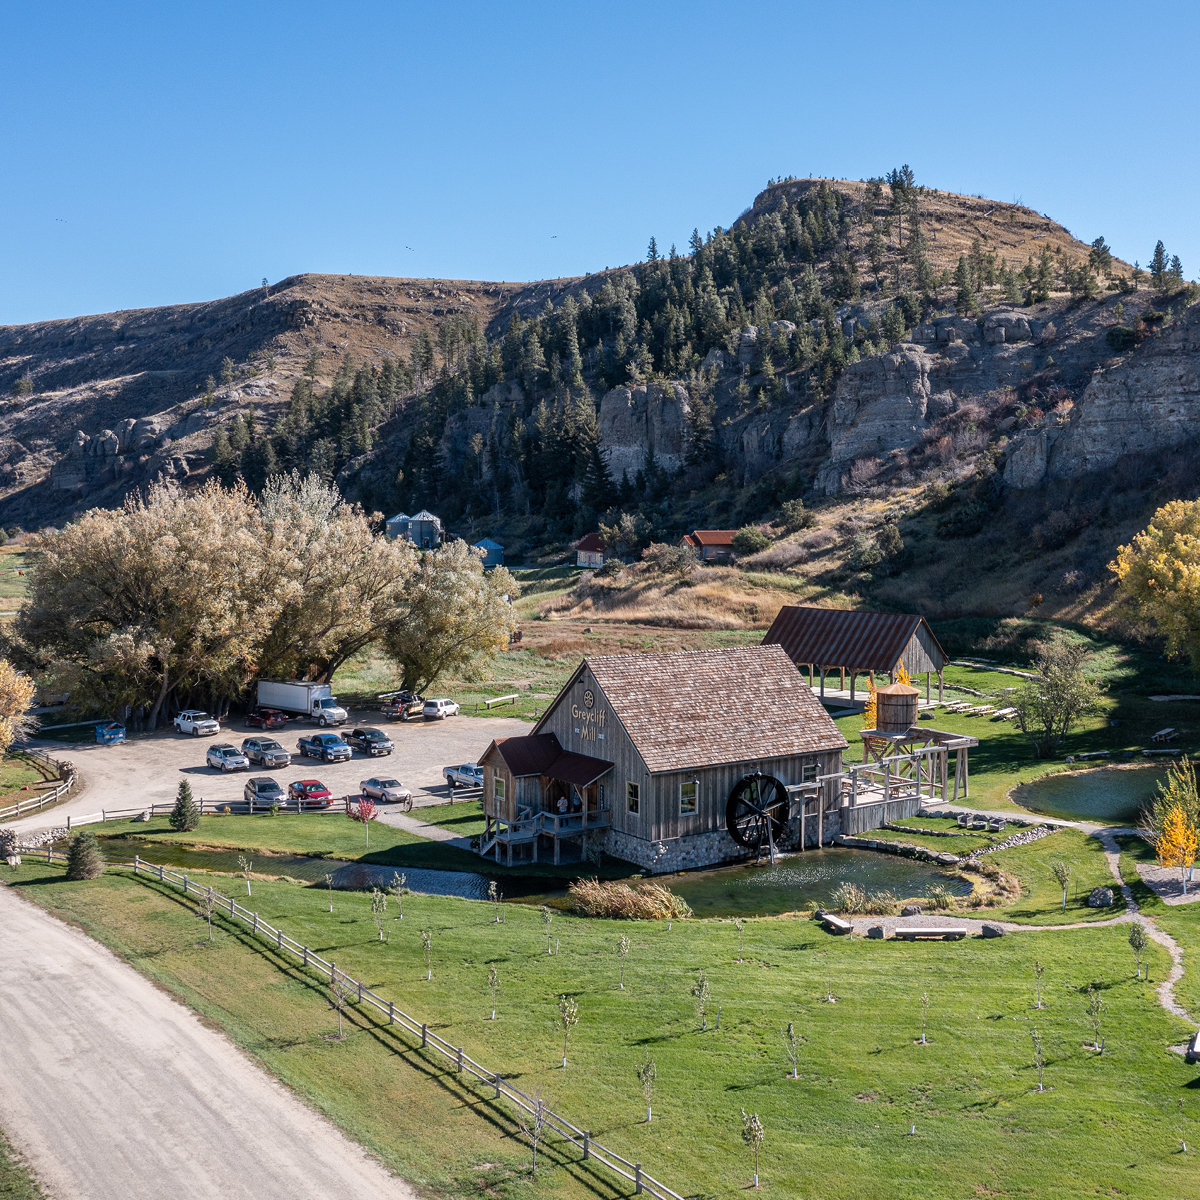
point(147, 770)
point(113, 1091)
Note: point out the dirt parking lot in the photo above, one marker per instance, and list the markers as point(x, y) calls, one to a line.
point(147, 770)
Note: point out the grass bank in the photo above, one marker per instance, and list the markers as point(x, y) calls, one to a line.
point(16, 1183)
point(1107, 1124)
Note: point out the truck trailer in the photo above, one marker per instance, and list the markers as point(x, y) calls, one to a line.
point(295, 696)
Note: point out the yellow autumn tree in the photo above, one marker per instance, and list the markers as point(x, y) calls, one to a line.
point(1158, 574)
point(16, 696)
point(902, 675)
point(870, 713)
point(1177, 843)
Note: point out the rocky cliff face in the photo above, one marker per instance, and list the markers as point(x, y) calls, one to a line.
point(641, 421)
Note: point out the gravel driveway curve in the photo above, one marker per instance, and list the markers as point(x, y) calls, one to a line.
point(113, 1091)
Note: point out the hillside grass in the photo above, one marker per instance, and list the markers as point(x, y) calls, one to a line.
point(16, 1181)
point(1107, 1124)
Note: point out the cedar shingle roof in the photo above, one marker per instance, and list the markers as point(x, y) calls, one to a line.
point(839, 637)
point(700, 708)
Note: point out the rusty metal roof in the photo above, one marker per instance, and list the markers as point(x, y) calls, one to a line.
point(702, 708)
point(713, 537)
point(839, 637)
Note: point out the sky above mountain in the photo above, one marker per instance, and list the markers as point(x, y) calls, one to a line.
point(161, 153)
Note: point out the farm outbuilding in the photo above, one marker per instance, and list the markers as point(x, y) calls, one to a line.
point(590, 551)
point(493, 552)
point(711, 545)
point(853, 643)
point(668, 761)
point(423, 529)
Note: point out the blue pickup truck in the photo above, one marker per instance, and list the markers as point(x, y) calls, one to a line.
point(328, 747)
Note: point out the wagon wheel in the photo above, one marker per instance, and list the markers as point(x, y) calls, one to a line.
point(754, 803)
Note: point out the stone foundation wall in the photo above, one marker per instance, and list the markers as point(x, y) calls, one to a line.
point(679, 854)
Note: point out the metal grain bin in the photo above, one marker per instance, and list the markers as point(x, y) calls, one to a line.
point(896, 708)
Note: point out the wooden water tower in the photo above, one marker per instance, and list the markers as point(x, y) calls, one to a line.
point(896, 709)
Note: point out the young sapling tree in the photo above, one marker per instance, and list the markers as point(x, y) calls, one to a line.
point(427, 947)
point(533, 1125)
point(568, 1017)
point(208, 901)
point(493, 980)
point(245, 866)
point(622, 951)
point(365, 811)
point(740, 926)
point(1138, 941)
point(1062, 873)
point(329, 890)
point(396, 887)
point(495, 897)
point(703, 996)
point(1039, 969)
point(752, 1135)
point(378, 910)
point(1037, 1055)
point(547, 917)
point(791, 1043)
point(1095, 1008)
point(924, 1011)
point(339, 985)
point(647, 1074)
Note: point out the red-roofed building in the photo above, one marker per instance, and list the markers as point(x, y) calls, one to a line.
point(590, 551)
point(710, 544)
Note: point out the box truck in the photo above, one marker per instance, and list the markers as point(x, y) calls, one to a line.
point(295, 696)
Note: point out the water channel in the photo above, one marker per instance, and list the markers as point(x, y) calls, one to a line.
point(718, 892)
point(1109, 795)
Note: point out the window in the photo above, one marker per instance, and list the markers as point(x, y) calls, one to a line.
point(498, 787)
point(808, 772)
point(687, 797)
point(632, 794)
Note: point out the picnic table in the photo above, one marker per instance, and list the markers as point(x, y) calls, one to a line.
point(1166, 735)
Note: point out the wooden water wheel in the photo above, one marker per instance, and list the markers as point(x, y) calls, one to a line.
point(757, 812)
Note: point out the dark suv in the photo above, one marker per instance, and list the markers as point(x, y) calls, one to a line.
point(262, 791)
point(371, 741)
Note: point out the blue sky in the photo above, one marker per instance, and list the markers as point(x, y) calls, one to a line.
point(157, 153)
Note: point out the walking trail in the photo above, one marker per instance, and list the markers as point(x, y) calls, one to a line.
point(113, 1091)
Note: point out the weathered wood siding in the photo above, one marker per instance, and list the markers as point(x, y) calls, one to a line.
point(922, 653)
point(597, 733)
point(863, 817)
point(493, 766)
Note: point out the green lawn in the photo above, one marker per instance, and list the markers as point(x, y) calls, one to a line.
point(1106, 1125)
point(18, 771)
point(330, 835)
point(15, 1181)
point(1041, 897)
point(962, 844)
point(465, 817)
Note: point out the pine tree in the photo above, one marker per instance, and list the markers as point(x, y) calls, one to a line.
point(652, 251)
point(185, 816)
point(1100, 257)
point(1159, 265)
point(964, 299)
point(83, 858)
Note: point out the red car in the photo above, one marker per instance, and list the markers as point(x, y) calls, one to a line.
point(311, 793)
point(266, 718)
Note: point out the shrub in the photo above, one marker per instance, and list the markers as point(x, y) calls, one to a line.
point(849, 898)
point(641, 902)
point(939, 897)
point(778, 557)
point(750, 540)
point(888, 541)
point(1121, 338)
point(667, 560)
point(938, 497)
point(1072, 581)
point(864, 553)
point(793, 515)
point(881, 904)
point(83, 858)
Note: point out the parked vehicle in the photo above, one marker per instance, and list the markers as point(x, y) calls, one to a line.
point(371, 741)
point(467, 775)
point(225, 757)
point(388, 790)
point(267, 718)
point(328, 747)
point(310, 793)
point(195, 722)
point(265, 751)
point(309, 699)
point(402, 705)
point(262, 791)
point(439, 710)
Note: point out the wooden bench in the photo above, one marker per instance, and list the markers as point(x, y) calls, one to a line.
point(837, 924)
point(947, 933)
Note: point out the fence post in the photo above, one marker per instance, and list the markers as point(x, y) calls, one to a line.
point(136, 864)
point(279, 939)
point(185, 885)
point(160, 874)
point(68, 822)
point(306, 956)
point(587, 1144)
point(360, 991)
point(496, 1085)
point(424, 1036)
point(637, 1178)
point(332, 972)
point(391, 1012)
point(460, 1059)
point(256, 924)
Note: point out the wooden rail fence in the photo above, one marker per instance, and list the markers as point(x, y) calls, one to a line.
point(592, 1151)
point(66, 773)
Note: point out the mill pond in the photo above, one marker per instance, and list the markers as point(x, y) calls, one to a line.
point(1108, 795)
point(792, 883)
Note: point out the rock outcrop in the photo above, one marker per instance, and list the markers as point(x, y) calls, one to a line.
point(637, 421)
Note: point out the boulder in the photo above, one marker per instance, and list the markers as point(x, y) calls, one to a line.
point(875, 931)
point(1101, 897)
point(990, 930)
point(911, 910)
point(746, 344)
point(637, 419)
point(948, 859)
point(713, 359)
point(787, 327)
point(1002, 327)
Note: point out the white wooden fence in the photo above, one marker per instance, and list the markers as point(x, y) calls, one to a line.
point(67, 775)
point(592, 1151)
point(74, 820)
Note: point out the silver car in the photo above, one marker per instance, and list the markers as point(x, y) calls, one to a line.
point(387, 790)
point(225, 757)
point(266, 751)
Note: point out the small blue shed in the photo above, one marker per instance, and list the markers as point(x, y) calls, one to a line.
point(493, 552)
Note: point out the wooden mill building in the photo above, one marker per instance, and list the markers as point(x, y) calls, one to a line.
point(821, 640)
point(647, 752)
